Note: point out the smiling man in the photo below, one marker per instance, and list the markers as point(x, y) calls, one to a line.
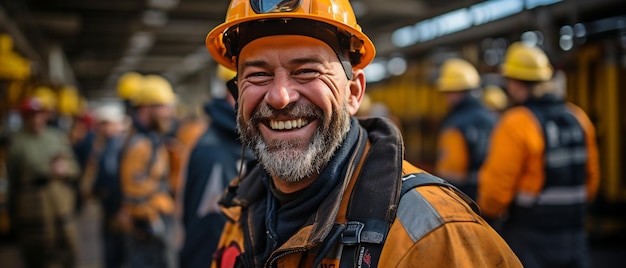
point(329, 190)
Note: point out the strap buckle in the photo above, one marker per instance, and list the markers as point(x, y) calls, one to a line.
point(352, 234)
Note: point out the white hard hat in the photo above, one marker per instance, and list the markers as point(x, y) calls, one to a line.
point(109, 113)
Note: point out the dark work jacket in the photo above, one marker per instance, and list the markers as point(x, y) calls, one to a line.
point(562, 202)
point(214, 161)
point(107, 183)
point(475, 122)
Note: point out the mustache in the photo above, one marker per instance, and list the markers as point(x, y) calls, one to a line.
point(293, 110)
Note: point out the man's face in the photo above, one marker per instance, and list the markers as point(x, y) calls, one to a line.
point(294, 104)
point(36, 121)
point(453, 97)
point(516, 91)
point(161, 117)
point(109, 129)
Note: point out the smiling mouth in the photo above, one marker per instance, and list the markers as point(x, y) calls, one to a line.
point(288, 124)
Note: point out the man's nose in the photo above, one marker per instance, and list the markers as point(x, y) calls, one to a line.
point(282, 91)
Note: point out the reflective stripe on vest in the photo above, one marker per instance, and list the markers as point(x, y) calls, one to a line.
point(554, 196)
point(561, 203)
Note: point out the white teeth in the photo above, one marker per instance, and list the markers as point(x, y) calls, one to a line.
point(288, 124)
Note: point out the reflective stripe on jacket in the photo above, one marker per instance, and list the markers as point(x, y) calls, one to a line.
point(515, 166)
point(433, 227)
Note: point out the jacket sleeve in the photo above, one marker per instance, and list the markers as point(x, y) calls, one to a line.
point(514, 162)
point(231, 241)
point(435, 228)
point(593, 165)
point(133, 171)
point(452, 160)
point(68, 155)
point(13, 163)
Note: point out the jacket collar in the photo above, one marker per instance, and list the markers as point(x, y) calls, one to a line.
point(468, 102)
point(385, 155)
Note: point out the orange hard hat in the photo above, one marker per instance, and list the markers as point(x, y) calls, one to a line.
point(332, 21)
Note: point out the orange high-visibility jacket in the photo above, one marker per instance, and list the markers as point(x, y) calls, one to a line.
point(179, 149)
point(515, 162)
point(462, 143)
point(433, 226)
point(143, 177)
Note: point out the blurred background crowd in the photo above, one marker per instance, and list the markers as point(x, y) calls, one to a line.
point(117, 131)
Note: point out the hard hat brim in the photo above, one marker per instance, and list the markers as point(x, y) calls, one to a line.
point(216, 47)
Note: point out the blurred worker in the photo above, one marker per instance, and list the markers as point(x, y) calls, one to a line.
point(128, 85)
point(214, 162)
point(542, 167)
point(5, 220)
point(48, 100)
point(103, 165)
point(79, 125)
point(464, 135)
point(179, 142)
point(143, 173)
point(328, 188)
point(40, 168)
point(495, 99)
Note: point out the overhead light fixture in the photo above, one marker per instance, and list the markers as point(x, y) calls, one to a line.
point(375, 72)
point(142, 40)
point(396, 66)
point(462, 19)
point(359, 8)
point(566, 39)
point(163, 4)
point(154, 18)
point(532, 38)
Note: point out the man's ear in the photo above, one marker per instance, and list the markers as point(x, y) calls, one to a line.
point(357, 90)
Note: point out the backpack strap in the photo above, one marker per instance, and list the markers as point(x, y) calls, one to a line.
point(363, 240)
point(371, 209)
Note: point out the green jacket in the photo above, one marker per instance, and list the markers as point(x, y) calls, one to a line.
point(29, 171)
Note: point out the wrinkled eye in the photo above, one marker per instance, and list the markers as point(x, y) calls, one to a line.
point(259, 77)
point(306, 74)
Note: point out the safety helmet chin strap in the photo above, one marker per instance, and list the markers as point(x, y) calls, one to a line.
point(231, 85)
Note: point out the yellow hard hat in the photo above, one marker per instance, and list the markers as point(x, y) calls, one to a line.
point(128, 84)
point(294, 17)
point(494, 98)
point(69, 101)
point(12, 65)
point(155, 90)
point(224, 73)
point(46, 96)
point(457, 75)
point(6, 44)
point(526, 63)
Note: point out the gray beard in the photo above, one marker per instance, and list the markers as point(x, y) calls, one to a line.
point(285, 160)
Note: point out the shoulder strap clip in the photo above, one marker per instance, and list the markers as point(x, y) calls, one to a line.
point(352, 234)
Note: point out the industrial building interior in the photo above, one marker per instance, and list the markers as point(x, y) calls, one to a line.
point(89, 44)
